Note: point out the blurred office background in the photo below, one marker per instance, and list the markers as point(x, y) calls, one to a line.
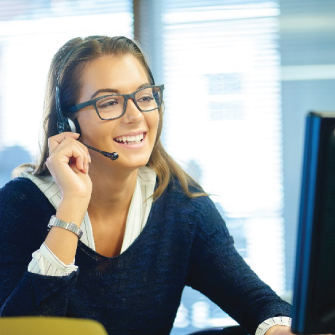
point(240, 77)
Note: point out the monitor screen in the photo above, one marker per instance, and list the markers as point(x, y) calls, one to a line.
point(313, 310)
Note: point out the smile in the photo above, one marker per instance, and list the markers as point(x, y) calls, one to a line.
point(130, 139)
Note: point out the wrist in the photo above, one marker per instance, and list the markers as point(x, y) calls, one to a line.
point(270, 325)
point(55, 222)
point(277, 329)
point(72, 211)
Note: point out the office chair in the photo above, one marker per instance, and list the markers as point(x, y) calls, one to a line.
point(49, 325)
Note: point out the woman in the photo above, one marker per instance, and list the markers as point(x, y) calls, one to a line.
point(125, 236)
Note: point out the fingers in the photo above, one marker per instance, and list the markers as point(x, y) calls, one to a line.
point(65, 149)
point(80, 156)
point(54, 141)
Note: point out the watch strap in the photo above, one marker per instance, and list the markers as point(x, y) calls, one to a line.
point(55, 222)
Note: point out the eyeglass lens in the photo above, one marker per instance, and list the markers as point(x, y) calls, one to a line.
point(146, 99)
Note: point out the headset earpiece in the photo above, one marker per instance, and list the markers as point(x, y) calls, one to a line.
point(71, 125)
point(65, 124)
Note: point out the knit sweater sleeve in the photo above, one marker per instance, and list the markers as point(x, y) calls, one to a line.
point(24, 215)
point(219, 272)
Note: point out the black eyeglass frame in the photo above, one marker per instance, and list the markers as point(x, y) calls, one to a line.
point(126, 97)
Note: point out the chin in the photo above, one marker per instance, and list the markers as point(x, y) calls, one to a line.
point(134, 163)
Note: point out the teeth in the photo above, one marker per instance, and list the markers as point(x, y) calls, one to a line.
point(132, 139)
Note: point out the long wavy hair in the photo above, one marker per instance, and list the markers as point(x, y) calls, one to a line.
point(76, 53)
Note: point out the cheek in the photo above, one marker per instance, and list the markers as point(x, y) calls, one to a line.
point(84, 120)
point(89, 124)
point(152, 122)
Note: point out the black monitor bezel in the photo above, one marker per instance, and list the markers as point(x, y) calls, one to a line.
point(313, 310)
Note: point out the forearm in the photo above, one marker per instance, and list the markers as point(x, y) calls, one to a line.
point(39, 295)
point(219, 272)
point(63, 243)
point(68, 164)
point(24, 215)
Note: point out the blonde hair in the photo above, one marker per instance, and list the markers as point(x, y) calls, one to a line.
point(76, 53)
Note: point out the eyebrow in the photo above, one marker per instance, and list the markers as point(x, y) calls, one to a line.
point(112, 90)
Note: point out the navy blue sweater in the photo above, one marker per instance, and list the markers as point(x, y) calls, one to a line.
point(185, 242)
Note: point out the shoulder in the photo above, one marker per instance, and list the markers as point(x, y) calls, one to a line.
point(199, 216)
point(200, 210)
point(19, 190)
point(176, 197)
point(22, 204)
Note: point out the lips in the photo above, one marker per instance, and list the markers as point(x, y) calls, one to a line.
point(130, 139)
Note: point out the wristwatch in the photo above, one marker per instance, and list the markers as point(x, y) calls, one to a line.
point(275, 321)
point(55, 222)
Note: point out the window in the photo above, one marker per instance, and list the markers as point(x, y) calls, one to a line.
point(223, 124)
point(30, 34)
point(221, 68)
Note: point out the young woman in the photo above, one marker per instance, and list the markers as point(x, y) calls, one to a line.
point(86, 235)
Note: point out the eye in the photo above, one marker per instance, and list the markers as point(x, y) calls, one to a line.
point(109, 102)
point(146, 98)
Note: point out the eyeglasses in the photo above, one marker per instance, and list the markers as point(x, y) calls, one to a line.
point(113, 106)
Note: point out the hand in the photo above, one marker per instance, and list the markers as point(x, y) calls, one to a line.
point(280, 330)
point(68, 163)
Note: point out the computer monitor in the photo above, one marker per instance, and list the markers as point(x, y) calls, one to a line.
point(313, 310)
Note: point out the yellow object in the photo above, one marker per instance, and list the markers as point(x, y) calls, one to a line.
point(49, 326)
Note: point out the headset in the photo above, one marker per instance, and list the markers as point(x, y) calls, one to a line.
point(65, 123)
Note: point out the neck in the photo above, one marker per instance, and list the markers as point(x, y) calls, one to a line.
point(112, 190)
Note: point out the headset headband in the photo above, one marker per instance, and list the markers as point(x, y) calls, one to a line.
point(62, 122)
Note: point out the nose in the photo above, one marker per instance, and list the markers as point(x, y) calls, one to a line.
point(132, 114)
